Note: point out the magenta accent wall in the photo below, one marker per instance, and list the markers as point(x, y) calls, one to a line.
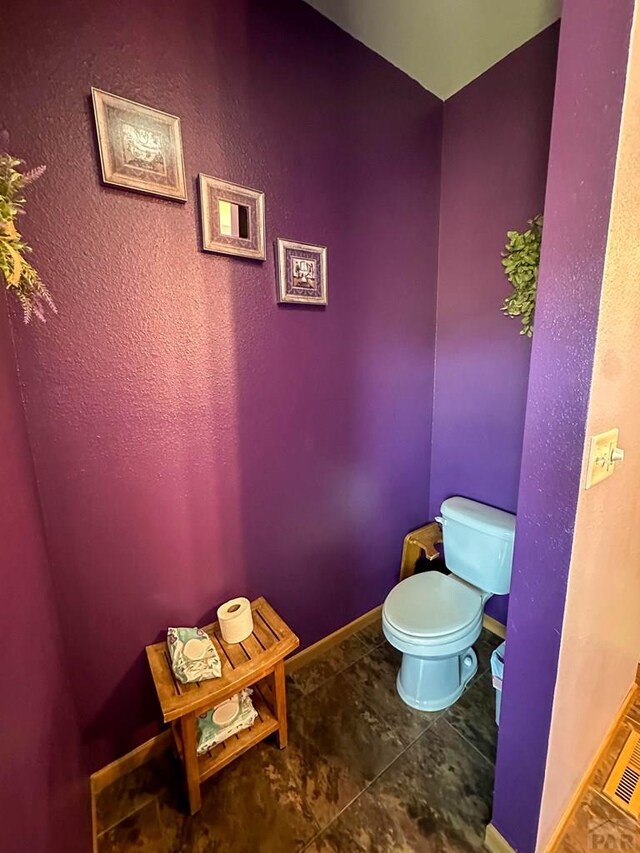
point(594, 44)
point(42, 788)
point(193, 440)
point(494, 165)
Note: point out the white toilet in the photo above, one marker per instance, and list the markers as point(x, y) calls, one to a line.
point(434, 619)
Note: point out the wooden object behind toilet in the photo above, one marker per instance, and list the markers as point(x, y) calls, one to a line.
point(417, 542)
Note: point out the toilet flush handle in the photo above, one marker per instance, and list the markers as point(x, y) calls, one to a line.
point(440, 520)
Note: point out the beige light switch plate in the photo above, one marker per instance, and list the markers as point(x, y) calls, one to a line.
point(601, 462)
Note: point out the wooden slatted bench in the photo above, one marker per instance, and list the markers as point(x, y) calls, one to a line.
point(257, 662)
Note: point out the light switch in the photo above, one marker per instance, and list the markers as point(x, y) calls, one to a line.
point(603, 455)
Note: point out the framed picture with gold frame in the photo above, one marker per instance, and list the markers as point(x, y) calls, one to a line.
point(140, 147)
point(232, 218)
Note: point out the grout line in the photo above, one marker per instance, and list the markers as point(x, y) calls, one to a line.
point(163, 836)
point(635, 724)
point(369, 784)
point(165, 849)
point(602, 796)
point(151, 798)
point(467, 741)
point(344, 668)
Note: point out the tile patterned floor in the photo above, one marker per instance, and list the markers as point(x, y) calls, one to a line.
point(598, 824)
point(363, 772)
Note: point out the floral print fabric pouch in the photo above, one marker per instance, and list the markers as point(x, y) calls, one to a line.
point(193, 655)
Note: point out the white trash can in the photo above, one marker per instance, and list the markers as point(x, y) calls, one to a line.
point(497, 672)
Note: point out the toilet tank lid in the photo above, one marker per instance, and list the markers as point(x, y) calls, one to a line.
point(495, 522)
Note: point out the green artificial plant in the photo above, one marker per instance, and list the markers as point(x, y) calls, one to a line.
point(20, 276)
point(521, 260)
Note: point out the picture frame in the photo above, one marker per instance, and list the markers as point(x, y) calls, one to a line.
point(232, 218)
point(140, 147)
point(302, 273)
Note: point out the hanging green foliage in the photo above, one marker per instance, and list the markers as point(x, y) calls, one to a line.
point(20, 276)
point(521, 260)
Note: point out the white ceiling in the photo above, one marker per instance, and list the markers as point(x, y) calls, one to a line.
point(443, 44)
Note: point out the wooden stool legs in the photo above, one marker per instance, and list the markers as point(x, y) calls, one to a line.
point(190, 757)
point(280, 691)
point(188, 736)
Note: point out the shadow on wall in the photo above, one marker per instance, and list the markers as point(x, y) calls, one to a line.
point(192, 439)
point(334, 404)
point(494, 167)
point(43, 788)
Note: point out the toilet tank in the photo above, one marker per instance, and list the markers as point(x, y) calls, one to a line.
point(478, 543)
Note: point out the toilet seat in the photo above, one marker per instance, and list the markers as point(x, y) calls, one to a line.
point(432, 606)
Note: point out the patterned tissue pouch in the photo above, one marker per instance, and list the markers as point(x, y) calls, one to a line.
point(225, 719)
point(193, 655)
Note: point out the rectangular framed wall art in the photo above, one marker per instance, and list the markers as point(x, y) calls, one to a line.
point(232, 218)
point(302, 273)
point(140, 148)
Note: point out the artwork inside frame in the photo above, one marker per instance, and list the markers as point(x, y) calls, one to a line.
point(232, 218)
point(140, 147)
point(302, 273)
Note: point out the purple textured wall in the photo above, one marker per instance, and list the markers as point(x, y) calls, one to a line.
point(594, 40)
point(193, 440)
point(42, 789)
point(494, 166)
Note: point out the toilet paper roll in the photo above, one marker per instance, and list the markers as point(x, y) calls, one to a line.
point(236, 621)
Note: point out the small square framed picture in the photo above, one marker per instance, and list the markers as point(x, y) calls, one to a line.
point(302, 273)
point(232, 218)
point(140, 148)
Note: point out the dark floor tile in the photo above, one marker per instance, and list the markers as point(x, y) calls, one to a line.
point(473, 716)
point(598, 825)
point(293, 689)
point(484, 646)
point(633, 714)
point(315, 673)
point(271, 799)
point(435, 798)
point(336, 839)
point(255, 804)
point(132, 791)
point(343, 742)
point(606, 763)
point(140, 832)
point(348, 729)
point(372, 635)
point(375, 677)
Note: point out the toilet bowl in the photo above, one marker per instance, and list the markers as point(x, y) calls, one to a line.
point(434, 619)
